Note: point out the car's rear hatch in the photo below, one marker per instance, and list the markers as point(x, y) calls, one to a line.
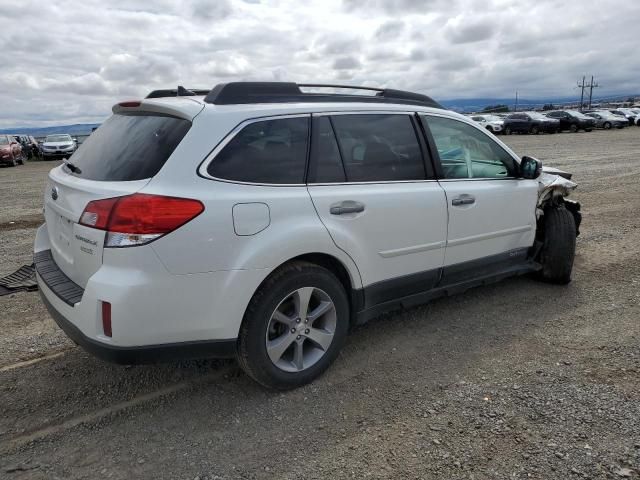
point(118, 159)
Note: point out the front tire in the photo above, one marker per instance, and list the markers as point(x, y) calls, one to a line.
point(559, 245)
point(294, 327)
point(507, 131)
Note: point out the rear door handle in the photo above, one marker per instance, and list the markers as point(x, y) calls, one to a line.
point(347, 206)
point(464, 199)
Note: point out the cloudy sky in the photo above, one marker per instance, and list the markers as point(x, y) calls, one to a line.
point(69, 61)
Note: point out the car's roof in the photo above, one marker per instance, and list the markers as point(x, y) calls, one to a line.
point(190, 106)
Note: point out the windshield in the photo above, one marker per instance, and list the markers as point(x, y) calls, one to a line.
point(537, 116)
point(493, 118)
point(4, 141)
point(58, 138)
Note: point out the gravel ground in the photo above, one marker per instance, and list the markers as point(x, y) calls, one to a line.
point(515, 380)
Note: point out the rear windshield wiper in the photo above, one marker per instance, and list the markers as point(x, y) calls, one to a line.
point(73, 168)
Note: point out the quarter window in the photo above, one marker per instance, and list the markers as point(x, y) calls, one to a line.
point(268, 151)
point(466, 152)
point(378, 147)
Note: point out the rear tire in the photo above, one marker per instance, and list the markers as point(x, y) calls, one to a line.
point(573, 128)
point(606, 125)
point(559, 245)
point(534, 130)
point(278, 299)
point(507, 131)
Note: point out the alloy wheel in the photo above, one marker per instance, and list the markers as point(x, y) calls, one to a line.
point(301, 329)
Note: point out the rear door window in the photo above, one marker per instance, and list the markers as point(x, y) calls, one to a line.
point(129, 147)
point(379, 147)
point(268, 151)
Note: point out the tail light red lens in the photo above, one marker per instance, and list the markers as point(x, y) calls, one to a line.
point(139, 218)
point(96, 214)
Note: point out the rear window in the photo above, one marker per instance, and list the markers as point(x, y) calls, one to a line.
point(129, 147)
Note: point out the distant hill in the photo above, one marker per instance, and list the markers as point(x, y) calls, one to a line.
point(76, 129)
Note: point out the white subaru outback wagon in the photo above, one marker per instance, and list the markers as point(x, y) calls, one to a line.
point(262, 220)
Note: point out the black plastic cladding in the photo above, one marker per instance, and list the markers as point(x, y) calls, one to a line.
point(288, 92)
point(234, 93)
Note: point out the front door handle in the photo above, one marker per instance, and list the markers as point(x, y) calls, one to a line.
point(347, 206)
point(464, 199)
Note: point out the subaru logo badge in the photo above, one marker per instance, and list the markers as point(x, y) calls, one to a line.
point(54, 193)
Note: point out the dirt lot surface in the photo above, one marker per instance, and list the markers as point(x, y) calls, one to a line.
point(516, 380)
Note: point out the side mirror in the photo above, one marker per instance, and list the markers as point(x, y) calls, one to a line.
point(530, 168)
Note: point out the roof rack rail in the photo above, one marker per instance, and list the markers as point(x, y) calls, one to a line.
point(177, 92)
point(288, 92)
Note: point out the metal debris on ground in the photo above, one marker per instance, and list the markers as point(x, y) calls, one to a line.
point(24, 279)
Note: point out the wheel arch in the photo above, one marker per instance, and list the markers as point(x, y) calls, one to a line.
point(349, 280)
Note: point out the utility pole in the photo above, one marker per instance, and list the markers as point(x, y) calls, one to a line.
point(515, 109)
point(591, 87)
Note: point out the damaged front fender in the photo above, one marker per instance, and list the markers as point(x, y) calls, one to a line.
point(553, 187)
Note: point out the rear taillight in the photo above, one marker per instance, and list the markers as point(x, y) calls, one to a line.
point(139, 218)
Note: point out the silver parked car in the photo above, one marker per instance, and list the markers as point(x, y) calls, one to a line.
point(607, 120)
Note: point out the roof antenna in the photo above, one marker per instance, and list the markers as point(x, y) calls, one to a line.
point(183, 92)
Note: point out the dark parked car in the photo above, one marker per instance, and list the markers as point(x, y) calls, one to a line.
point(10, 151)
point(30, 147)
point(572, 120)
point(529, 122)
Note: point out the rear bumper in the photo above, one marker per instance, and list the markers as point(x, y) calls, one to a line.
point(143, 354)
point(155, 315)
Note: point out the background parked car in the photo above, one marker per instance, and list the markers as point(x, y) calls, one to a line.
point(58, 146)
point(10, 151)
point(572, 120)
point(529, 122)
point(29, 145)
point(607, 120)
point(629, 113)
point(493, 123)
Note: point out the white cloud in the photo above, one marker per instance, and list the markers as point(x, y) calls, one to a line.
point(71, 60)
